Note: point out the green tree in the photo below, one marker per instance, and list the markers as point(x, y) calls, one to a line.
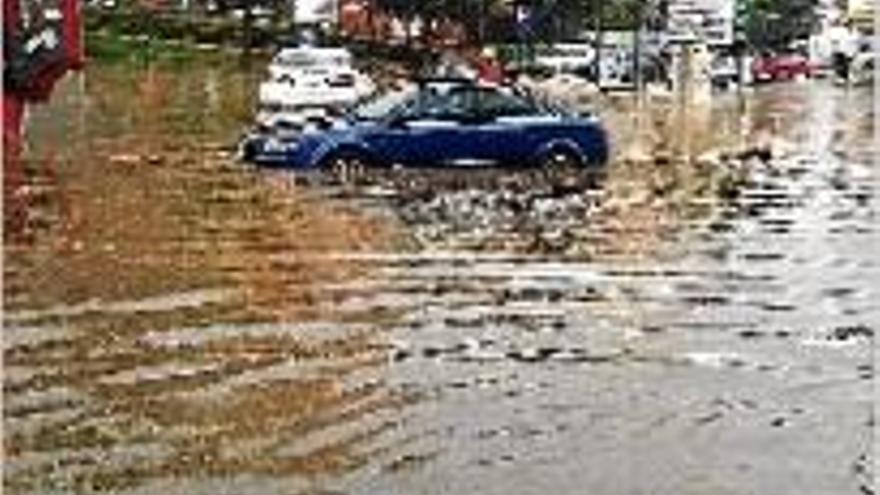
point(553, 19)
point(776, 23)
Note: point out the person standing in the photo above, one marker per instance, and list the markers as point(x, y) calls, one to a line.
point(41, 42)
point(489, 68)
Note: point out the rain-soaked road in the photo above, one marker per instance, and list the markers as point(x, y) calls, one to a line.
point(178, 323)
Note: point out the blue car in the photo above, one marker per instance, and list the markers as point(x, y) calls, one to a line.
point(441, 123)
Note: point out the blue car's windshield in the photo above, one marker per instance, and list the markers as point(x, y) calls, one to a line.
point(449, 102)
point(383, 105)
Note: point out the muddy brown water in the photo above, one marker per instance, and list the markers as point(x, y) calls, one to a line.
point(177, 322)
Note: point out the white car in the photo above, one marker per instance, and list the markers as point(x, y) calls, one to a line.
point(725, 74)
point(311, 79)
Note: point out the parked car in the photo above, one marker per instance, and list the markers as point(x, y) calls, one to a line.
point(311, 78)
point(861, 72)
point(723, 72)
point(102, 4)
point(781, 67)
point(450, 123)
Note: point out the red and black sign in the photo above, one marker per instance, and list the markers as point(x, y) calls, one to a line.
point(42, 39)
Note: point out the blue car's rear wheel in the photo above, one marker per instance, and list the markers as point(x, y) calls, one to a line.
point(566, 168)
point(560, 158)
point(560, 164)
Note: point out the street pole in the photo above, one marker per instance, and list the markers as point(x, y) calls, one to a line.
point(337, 13)
point(481, 23)
point(371, 21)
point(739, 43)
point(522, 34)
point(597, 12)
point(248, 28)
point(640, 140)
point(637, 51)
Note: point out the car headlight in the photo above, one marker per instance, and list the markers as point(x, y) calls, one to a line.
point(275, 145)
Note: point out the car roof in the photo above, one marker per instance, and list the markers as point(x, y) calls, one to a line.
point(447, 83)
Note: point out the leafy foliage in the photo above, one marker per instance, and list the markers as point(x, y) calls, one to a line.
point(776, 23)
point(548, 19)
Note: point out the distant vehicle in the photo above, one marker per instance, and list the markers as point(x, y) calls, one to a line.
point(309, 78)
point(618, 70)
point(653, 69)
point(446, 123)
point(104, 4)
point(781, 67)
point(565, 57)
point(723, 72)
point(258, 12)
point(861, 72)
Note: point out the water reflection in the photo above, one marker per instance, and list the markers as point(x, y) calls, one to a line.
point(152, 301)
point(178, 322)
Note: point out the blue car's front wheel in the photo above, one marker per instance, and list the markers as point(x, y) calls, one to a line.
point(348, 167)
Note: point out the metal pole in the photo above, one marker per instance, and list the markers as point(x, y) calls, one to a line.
point(481, 23)
point(371, 21)
point(598, 40)
point(637, 51)
point(740, 75)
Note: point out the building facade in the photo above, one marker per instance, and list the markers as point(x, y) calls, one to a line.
point(861, 14)
point(706, 21)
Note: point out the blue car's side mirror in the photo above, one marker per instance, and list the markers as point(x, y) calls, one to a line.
point(474, 119)
point(397, 121)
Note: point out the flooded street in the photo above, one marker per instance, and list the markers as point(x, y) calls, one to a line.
point(177, 322)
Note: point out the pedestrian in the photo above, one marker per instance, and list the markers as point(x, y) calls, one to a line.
point(841, 66)
point(37, 52)
point(844, 48)
point(489, 68)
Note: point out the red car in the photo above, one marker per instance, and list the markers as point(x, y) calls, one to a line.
point(781, 67)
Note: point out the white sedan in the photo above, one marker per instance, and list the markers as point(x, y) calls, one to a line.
point(311, 80)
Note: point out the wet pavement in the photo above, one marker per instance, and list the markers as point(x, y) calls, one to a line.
point(696, 322)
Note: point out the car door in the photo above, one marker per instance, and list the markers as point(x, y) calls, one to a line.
point(427, 133)
point(508, 127)
point(466, 147)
